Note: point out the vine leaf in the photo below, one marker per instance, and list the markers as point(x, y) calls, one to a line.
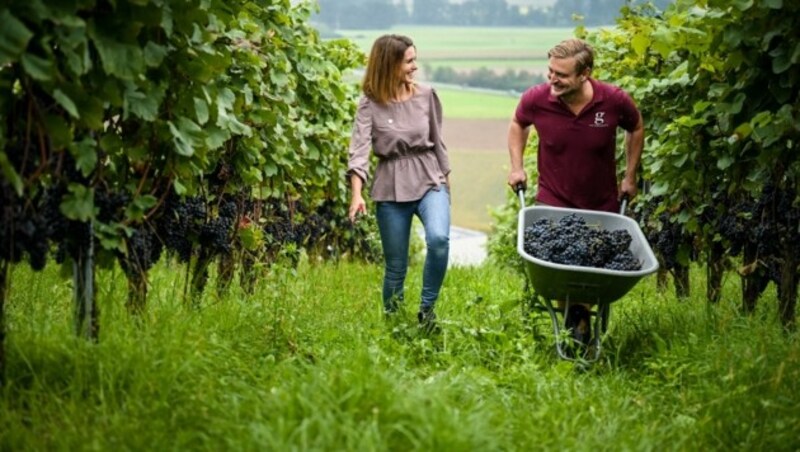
point(14, 37)
point(78, 204)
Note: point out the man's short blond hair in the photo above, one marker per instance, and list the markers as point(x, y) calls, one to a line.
point(577, 48)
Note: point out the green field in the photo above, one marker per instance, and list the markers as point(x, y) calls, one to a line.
point(497, 64)
point(498, 48)
point(474, 104)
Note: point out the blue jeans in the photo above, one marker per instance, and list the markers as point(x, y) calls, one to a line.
point(394, 222)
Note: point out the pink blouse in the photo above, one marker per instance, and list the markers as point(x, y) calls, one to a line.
point(406, 137)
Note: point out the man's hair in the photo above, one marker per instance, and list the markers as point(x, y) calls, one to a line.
point(382, 79)
point(578, 48)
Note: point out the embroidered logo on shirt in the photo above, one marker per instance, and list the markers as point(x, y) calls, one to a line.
point(599, 119)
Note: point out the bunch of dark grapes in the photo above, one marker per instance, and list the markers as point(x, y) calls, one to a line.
point(143, 251)
point(23, 231)
point(215, 234)
point(180, 224)
point(111, 205)
point(570, 241)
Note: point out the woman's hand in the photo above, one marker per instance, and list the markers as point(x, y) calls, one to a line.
point(357, 205)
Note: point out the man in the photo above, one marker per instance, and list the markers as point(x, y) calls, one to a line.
point(576, 118)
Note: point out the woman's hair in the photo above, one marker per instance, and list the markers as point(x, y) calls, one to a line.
point(383, 78)
point(583, 53)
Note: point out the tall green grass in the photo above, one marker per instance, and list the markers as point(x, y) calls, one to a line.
point(307, 362)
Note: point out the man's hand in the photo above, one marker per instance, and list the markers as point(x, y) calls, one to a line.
point(517, 177)
point(628, 187)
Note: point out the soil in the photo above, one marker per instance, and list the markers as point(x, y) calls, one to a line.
point(476, 134)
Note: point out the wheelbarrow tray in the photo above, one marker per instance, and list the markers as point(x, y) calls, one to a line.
point(577, 283)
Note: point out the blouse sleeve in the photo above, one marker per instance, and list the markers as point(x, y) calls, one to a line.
point(436, 133)
point(361, 141)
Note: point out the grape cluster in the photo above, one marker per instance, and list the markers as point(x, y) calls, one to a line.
point(143, 251)
point(666, 236)
point(28, 227)
point(179, 224)
point(570, 241)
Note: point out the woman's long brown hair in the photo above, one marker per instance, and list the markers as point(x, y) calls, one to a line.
point(383, 78)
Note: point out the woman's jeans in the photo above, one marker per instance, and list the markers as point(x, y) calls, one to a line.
point(394, 222)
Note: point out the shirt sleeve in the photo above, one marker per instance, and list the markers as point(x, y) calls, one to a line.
point(525, 108)
point(436, 133)
point(361, 141)
point(628, 113)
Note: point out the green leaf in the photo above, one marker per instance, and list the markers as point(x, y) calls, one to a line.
point(640, 43)
point(10, 174)
point(183, 133)
point(14, 37)
point(216, 136)
point(111, 143)
point(270, 169)
point(773, 4)
point(38, 68)
point(66, 102)
point(781, 62)
point(139, 207)
point(125, 61)
point(58, 130)
point(143, 104)
point(725, 162)
point(180, 189)
point(154, 54)
point(85, 154)
point(78, 204)
point(201, 110)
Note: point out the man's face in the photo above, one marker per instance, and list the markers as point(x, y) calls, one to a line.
point(564, 81)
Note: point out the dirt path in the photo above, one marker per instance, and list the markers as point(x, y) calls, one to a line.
point(475, 134)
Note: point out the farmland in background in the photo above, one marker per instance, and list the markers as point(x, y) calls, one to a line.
point(475, 125)
point(469, 48)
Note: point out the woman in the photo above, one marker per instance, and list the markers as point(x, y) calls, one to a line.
point(401, 122)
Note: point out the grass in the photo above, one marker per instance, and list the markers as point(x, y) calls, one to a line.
point(473, 104)
point(308, 363)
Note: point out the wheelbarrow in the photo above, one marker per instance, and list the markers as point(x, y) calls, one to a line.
point(572, 284)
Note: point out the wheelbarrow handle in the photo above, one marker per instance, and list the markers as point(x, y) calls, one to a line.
point(623, 204)
point(520, 191)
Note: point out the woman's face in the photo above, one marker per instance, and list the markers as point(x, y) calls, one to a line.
point(408, 66)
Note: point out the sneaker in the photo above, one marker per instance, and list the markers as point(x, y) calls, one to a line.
point(427, 321)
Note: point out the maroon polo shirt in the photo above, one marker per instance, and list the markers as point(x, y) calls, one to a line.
point(577, 154)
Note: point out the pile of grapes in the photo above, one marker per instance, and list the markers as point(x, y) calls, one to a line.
point(570, 241)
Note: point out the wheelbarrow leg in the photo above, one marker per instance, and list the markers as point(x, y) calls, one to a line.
point(560, 350)
point(600, 327)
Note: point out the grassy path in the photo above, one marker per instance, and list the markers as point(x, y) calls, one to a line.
point(308, 363)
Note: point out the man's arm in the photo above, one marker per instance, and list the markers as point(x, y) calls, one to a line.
point(517, 139)
point(634, 143)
